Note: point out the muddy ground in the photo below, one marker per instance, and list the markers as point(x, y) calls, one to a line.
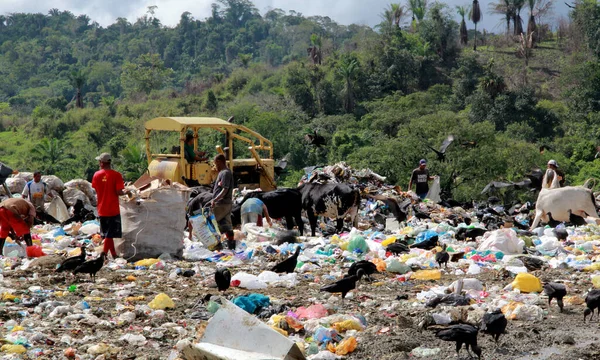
point(390, 334)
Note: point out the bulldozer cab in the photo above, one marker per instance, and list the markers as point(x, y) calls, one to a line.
point(254, 171)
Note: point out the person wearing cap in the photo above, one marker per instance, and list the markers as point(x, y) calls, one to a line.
point(553, 165)
point(420, 176)
point(109, 185)
point(16, 215)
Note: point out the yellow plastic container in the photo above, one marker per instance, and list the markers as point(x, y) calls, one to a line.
point(527, 283)
point(434, 274)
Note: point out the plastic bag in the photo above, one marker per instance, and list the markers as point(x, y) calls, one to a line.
point(206, 230)
point(527, 283)
point(13, 349)
point(161, 301)
point(315, 311)
point(347, 346)
point(504, 240)
point(395, 266)
point(350, 324)
point(34, 251)
point(58, 210)
point(358, 243)
point(249, 281)
point(427, 275)
point(434, 191)
point(146, 262)
point(252, 303)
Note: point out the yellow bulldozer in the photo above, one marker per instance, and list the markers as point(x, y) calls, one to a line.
point(251, 173)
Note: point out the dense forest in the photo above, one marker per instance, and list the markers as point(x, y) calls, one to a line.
point(382, 97)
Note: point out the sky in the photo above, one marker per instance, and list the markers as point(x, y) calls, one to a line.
point(363, 12)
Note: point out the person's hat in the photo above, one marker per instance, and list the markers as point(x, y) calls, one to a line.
point(553, 163)
point(422, 162)
point(104, 157)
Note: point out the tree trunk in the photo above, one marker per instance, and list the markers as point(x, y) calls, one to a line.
point(79, 100)
point(475, 39)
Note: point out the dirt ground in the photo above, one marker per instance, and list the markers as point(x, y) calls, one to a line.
point(390, 334)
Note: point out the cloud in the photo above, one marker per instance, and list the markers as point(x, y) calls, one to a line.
point(366, 12)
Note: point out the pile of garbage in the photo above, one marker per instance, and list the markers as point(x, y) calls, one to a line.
point(341, 173)
point(164, 296)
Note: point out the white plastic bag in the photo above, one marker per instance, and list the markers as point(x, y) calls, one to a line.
point(434, 191)
point(504, 240)
point(249, 281)
point(58, 210)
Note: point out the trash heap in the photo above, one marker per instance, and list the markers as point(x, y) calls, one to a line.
point(169, 303)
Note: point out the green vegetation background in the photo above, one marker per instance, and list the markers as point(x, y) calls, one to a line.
point(70, 89)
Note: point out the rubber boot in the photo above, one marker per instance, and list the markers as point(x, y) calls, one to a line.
point(2, 240)
point(230, 241)
point(27, 238)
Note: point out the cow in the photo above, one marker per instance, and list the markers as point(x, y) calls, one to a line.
point(559, 201)
point(281, 203)
point(334, 201)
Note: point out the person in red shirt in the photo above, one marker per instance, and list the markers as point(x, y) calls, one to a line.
point(109, 185)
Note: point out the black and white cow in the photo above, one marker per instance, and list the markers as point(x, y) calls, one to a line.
point(334, 201)
point(282, 203)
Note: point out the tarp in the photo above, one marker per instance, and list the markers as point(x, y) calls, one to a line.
point(153, 225)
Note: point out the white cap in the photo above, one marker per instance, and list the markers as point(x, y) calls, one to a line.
point(552, 162)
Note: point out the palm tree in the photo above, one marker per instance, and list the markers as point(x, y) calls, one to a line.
point(77, 81)
point(503, 8)
point(475, 18)
point(314, 52)
point(397, 11)
point(245, 59)
point(51, 153)
point(517, 21)
point(110, 103)
point(418, 9)
point(464, 35)
point(347, 69)
point(531, 27)
point(133, 162)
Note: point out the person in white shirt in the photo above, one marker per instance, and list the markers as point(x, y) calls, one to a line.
point(36, 191)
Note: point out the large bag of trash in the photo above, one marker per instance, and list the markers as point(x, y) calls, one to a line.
point(504, 240)
point(27, 176)
point(84, 186)
point(71, 195)
point(53, 182)
point(15, 185)
point(57, 209)
point(206, 229)
point(434, 191)
point(154, 225)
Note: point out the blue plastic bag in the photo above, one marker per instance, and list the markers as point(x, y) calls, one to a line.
point(425, 235)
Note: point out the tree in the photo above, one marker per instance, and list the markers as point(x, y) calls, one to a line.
point(51, 154)
point(147, 73)
point(314, 51)
point(211, 101)
point(517, 20)
point(133, 162)
point(475, 18)
point(77, 79)
point(245, 59)
point(531, 27)
point(464, 36)
point(397, 11)
point(418, 8)
point(503, 8)
point(347, 70)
